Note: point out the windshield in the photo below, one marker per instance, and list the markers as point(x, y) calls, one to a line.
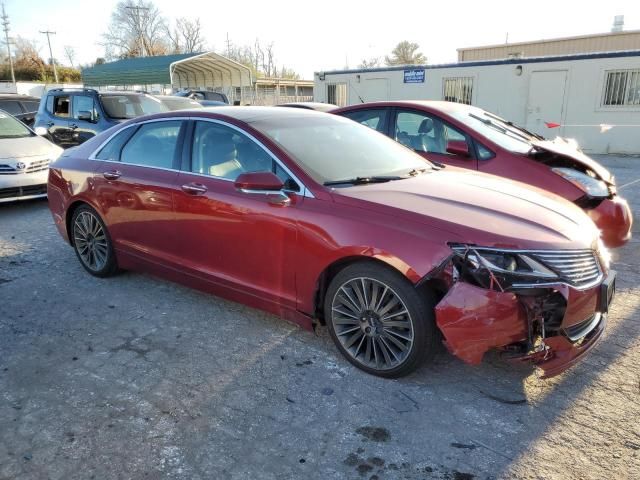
point(12, 128)
point(495, 129)
point(131, 106)
point(331, 148)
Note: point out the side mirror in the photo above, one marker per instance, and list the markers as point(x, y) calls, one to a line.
point(263, 183)
point(41, 131)
point(458, 147)
point(85, 115)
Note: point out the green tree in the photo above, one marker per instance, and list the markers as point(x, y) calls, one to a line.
point(406, 53)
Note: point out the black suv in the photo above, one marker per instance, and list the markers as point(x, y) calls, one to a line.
point(69, 117)
point(23, 107)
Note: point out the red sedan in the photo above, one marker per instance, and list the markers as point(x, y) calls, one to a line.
point(469, 137)
point(318, 219)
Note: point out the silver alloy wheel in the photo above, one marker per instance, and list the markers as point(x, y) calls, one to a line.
point(372, 323)
point(90, 241)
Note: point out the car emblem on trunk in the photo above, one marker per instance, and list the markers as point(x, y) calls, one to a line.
point(21, 165)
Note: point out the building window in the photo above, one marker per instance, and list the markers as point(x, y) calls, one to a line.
point(337, 94)
point(457, 89)
point(622, 88)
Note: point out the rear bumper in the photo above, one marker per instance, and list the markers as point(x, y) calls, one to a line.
point(614, 219)
point(474, 320)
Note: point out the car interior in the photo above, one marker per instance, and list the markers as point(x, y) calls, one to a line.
point(424, 134)
point(220, 152)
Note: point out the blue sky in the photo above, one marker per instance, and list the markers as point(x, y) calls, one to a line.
point(329, 34)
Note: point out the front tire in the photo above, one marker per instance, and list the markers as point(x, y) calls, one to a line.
point(92, 243)
point(379, 321)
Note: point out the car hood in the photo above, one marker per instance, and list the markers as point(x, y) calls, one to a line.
point(568, 148)
point(481, 209)
point(35, 146)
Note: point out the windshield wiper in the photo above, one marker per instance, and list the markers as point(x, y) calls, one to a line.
point(500, 129)
point(364, 180)
point(511, 124)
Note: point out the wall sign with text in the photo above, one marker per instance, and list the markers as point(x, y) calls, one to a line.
point(415, 75)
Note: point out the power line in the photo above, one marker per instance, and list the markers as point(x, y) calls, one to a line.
point(5, 24)
point(53, 60)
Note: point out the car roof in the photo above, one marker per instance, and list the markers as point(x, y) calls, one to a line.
point(254, 114)
point(17, 96)
point(440, 105)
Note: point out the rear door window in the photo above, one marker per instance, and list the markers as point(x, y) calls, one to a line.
point(372, 118)
point(153, 145)
point(111, 151)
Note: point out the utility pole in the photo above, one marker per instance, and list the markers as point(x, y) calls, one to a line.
point(5, 24)
point(53, 60)
point(137, 8)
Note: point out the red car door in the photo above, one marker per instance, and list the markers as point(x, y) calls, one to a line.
point(235, 240)
point(433, 138)
point(134, 188)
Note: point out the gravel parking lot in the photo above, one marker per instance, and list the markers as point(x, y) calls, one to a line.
point(134, 377)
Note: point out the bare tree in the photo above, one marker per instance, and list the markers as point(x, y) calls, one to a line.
point(269, 62)
point(70, 53)
point(370, 63)
point(186, 36)
point(136, 29)
point(406, 53)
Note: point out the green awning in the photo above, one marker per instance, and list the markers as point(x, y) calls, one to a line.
point(188, 70)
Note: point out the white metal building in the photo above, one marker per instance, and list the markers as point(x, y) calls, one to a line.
point(580, 92)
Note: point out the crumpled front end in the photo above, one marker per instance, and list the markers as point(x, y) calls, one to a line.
point(551, 323)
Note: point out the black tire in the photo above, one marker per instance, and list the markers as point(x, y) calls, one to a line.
point(420, 315)
point(104, 262)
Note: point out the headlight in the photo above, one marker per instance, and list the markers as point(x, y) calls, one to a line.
point(499, 261)
point(484, 266)
point(590, 185)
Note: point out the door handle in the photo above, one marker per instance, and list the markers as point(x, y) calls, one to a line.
point(112, 175)
point(73, 126)
point(50, 124)
point(194, 188)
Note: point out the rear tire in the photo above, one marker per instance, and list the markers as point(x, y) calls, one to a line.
point(92, 243)
point(379, 321)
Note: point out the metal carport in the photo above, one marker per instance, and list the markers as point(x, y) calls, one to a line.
point(207, 70)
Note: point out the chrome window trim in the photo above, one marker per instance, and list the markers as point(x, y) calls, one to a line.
point(304, 191)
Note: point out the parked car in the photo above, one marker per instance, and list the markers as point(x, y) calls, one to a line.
point(316, 218)
point(204, 96)
point(69, 117)
point(469, 137)
point(174, 103)
point(24, 160)
point(23, 107)
point(317, 106)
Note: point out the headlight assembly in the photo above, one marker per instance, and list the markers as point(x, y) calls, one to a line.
point(590, 185)
point(488, 266)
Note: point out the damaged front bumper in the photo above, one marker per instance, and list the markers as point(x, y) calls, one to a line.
point(552, 326)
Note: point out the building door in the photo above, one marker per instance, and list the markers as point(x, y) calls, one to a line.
point(546, 101)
